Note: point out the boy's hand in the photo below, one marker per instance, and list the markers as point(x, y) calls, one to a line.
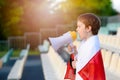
point(74, 64)
point(69, 47)
point(72, 48)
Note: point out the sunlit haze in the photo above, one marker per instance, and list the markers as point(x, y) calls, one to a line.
point(55, 4)
point(116, 5)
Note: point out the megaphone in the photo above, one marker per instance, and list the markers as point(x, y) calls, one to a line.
point(60, 41)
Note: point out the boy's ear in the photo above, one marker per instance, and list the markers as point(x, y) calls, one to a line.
point(89, 28)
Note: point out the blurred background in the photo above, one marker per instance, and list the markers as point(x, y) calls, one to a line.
point(24, 22)
point(23, 19)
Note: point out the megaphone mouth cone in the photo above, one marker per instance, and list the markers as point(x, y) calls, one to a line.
point(60, 41)
point(53, 43)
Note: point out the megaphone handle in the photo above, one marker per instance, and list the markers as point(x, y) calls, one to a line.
point(73, 50)
point(72, 46)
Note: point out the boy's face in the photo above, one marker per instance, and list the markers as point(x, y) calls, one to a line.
point(82, 30)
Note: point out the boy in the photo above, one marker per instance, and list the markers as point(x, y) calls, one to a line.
point(89, 64)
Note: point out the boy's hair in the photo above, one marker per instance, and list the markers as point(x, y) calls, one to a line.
point(90, 19)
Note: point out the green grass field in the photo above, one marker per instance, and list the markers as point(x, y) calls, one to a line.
point(34, 52)
point(2, 53)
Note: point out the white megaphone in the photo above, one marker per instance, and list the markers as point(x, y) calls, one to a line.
point(60, 41)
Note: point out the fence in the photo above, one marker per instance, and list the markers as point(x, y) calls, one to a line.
point(34, 39)
point(3, 45)
point(18, 42)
